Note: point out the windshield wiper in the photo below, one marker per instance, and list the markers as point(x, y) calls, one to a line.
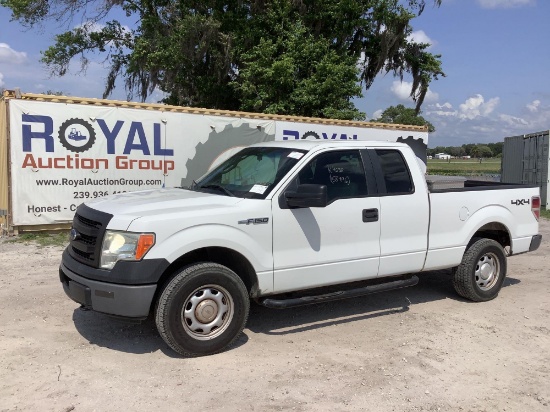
point(218, 187)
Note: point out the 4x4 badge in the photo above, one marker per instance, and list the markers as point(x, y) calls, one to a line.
point(520, 202)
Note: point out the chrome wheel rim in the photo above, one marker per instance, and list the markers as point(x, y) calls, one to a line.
point(207, 312)
point(487, 271)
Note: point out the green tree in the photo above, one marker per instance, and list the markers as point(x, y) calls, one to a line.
point(308, 78)
point(468, 148)
point(302, 57)
point(456, 151)
point(480, 150)
point(404, 115)
point(496, 148)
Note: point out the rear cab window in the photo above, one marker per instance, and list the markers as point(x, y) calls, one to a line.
point(396, 174)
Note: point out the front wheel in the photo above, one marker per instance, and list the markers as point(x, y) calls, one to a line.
point(480, 275)
point(202, 310)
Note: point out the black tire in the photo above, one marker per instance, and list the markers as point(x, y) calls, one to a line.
point(480, 275)
point(202, 309)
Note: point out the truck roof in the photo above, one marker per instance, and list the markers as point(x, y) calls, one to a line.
point(315, 144)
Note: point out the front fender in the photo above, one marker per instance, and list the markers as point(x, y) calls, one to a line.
point(257, 249)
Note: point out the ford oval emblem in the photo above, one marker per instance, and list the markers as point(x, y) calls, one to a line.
point(74, 234)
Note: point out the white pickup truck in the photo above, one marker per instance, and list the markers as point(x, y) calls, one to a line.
point(285, 224)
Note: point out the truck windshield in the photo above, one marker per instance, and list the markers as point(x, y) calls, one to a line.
point(251, 173)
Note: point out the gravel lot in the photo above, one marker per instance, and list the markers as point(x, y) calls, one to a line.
point(421, 348)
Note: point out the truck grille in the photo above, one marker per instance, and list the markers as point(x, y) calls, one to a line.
point(87, 235)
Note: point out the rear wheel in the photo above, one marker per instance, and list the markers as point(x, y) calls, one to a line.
point(202, 310)
point(480, 275)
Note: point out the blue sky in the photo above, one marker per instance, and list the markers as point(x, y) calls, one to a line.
point(495, 53)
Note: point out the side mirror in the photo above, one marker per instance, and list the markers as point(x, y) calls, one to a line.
point(307, 195)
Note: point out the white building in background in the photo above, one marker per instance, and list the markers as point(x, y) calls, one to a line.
point(444, 156)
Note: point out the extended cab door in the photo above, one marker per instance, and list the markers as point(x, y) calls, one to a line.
point(334, 244)
point(404, 211)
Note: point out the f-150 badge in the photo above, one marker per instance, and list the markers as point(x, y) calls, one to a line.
point(255, 221)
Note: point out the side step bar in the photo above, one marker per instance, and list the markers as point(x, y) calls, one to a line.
point(341, 294)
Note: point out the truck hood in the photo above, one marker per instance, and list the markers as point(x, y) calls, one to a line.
point(126, 207)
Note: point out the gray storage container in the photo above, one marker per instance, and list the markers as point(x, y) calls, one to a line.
point(525, 160)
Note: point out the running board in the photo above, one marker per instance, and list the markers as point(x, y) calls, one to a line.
point(341, 294)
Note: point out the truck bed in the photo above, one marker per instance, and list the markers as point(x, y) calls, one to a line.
point(443, 184)
point(457, 213)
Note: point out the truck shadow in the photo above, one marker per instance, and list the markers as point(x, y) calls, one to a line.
point(119, 335)
point(432, 286)
point(141, 338)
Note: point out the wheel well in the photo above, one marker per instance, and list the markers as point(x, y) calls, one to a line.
point(496, 231)
point(223, 256)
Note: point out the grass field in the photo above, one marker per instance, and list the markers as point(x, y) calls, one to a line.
point(44, 238)
point(463, 167)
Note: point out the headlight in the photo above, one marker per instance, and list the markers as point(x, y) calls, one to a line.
point(124, 246)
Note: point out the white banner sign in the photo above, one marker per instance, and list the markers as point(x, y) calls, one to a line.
point(417, 140)
point(63, 154)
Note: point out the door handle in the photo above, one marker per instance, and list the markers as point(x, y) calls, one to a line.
point(370, 215)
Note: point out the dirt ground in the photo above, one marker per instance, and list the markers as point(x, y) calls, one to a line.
point(421, 348)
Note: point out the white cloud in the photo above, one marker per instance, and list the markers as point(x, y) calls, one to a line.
point(505, 4)
point(533, 106)
point(537, 115)
point(476, 106)
point(90, 26)
point(377, 114)
point(420, 37)
point(431, 96)
point(444, 106)
point(1, 80)
point(95, 27)
point(513, 120)
point(157, 96)
point(473, 107)
point(403, 91)
point(10, 56)
point(445, 109)
point(479, 121)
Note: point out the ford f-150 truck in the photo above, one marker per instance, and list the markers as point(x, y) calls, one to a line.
point(285, 224)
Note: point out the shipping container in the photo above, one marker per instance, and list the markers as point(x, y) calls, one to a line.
point(525, 159)
point(57, 151)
